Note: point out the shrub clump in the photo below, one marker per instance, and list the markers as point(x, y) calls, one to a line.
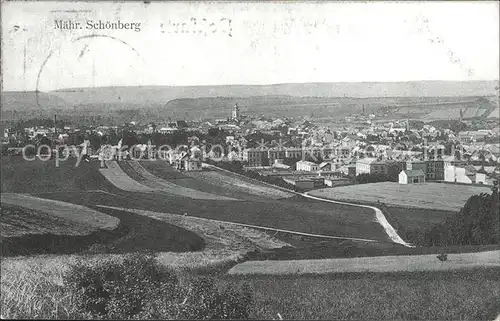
point(141, 288)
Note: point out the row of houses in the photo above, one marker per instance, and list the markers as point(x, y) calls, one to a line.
point(453, 174)
point(261, 157)
point(448, 168)
point(432, 168)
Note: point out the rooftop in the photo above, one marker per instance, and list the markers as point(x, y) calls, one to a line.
point(369, 160)
point(307, 163)
point(414, 172)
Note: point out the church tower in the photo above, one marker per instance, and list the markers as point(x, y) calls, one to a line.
point(236, 112)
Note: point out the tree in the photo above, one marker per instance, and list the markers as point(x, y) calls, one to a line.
point(291, 162)
point(477, 223)
point(129, 138)
point(393, 170)
point(44, 141)
point(95, 141)
point(111, 138)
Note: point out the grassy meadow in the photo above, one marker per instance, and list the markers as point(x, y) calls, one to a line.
point(446, 197)
point(21, 176)
point(461, 295)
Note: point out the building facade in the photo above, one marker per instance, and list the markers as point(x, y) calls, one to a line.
point(463, 175)
point(415, 176)
point(434, 170)
point(370, 166)
point(306, 166)
point(274, 154)
point(255, 157)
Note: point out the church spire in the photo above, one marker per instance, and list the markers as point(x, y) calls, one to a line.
point(236, 112)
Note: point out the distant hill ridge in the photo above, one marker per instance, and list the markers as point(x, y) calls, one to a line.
point(163, 96)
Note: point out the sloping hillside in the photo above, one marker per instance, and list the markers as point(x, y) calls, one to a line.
point(149, 95)
point(28, 99)
point(188, 102)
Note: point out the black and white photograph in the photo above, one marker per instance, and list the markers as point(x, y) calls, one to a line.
point(266, 160)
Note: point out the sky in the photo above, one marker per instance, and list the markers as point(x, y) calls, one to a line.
point(247, 43)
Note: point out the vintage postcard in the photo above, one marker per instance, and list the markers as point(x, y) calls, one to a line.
point(250, 160)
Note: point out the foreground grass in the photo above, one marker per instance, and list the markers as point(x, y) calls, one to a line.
point(461, 295)
point(35, 291)
point(37, 287)
point(34, 288)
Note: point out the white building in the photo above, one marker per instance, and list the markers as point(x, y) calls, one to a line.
point(167, 130)
point(336, 181)
point(306, 166)
point(464, 175)
point(411, 176)
point(192, 164)
point(236, 113)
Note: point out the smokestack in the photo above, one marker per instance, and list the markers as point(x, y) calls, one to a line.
point(55, 125)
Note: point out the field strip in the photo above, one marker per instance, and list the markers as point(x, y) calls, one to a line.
point(173, 188)
point(68, 211)
point(230, 235)
point(116, 176)
point(408, 263)
point(267, 228)
point(286, 193)
point(391, 232)
point(380, 217)
point(224, 243)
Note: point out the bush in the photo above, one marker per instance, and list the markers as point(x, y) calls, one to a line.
point(141, 288)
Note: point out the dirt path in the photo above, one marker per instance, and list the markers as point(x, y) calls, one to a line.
point(391, 232)
point(407, 263)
